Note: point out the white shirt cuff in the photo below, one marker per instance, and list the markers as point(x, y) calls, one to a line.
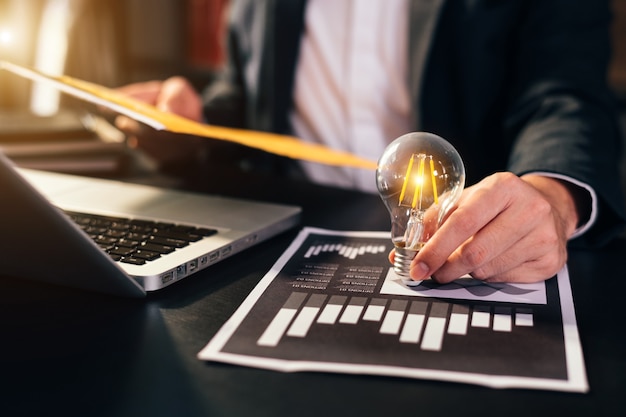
point(594, 200)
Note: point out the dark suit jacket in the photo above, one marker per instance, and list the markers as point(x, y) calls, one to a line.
point(516, 85)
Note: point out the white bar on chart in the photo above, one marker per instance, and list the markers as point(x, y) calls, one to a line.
point(352, 313)
point(412, 329)
point(481, 317)
point(391, 323)
point(524, 317)
point(502, 321)
point(331, 311)
point(435, 327)
point(393, 319)
point(275, 330)
point(375, 309)
point(301, 325)
point(459, 319)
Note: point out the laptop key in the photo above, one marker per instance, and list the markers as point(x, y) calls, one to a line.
point(134, 261)
point(205, 232)
point(127, 243)
point(162, 249)
point(177, 243)
point(121, 251)
point(189, 237)
point(147, 255)
point(105, 240)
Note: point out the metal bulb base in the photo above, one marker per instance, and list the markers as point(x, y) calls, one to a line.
point(402, 261)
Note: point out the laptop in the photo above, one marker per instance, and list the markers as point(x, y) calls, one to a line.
point(120, 238)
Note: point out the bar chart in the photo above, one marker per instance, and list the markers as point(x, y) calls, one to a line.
point(421, 322)
point(335, 304)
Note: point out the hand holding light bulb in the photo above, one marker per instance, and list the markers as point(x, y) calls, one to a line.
point(504, 228)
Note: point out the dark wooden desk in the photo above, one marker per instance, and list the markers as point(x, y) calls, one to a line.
point(69, 353)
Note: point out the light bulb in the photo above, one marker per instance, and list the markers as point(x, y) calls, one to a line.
point(420, 177)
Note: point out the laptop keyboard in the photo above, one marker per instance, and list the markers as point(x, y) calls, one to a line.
point(137, 241)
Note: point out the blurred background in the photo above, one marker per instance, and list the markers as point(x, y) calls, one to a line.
point(109, 42)
point(114, 42)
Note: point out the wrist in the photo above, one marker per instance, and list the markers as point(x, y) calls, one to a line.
point(567, 200)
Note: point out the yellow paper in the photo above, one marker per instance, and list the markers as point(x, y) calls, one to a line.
point(284, 145)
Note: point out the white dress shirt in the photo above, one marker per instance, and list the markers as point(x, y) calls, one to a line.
point(351, 83)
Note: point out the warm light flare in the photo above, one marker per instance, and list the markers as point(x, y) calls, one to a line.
point(6, 37)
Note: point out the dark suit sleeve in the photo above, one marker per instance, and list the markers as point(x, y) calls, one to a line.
point(562, 117)
point(256, 87)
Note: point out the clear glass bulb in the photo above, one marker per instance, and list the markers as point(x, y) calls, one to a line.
point(420, 177)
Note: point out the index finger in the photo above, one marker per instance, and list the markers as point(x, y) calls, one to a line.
point(475, 210)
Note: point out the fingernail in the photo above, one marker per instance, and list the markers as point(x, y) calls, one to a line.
point(419, 271)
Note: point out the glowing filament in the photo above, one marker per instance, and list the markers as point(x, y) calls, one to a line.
point(406, 178)
point(432, 177)
point(418, 180)
point(419, 183)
